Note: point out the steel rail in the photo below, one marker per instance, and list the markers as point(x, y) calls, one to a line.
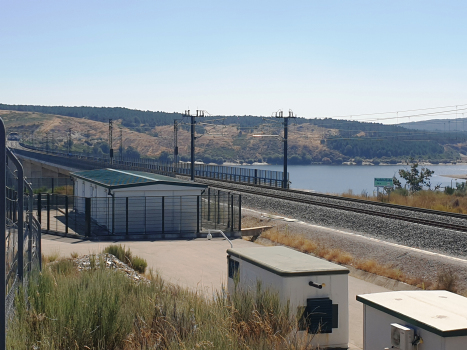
point(215, 182)
point(340, 198)
point(352, 209)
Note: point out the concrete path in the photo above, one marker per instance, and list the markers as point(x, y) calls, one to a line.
point(202, 265)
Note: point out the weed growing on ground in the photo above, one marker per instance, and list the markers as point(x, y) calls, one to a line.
point(125, 255)
point(446, 279)
point(103, 309)
point(436, 200)
point(50, 258)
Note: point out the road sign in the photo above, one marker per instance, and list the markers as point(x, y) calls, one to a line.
point(383, 182)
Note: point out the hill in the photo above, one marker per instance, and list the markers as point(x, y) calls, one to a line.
point(227, 138)
point(457, 125)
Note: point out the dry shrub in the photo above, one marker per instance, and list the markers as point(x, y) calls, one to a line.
point(345, 258)
point(50, 258)
point(102, 309)
point(303, 244)
point(435, 200)
point(448, 280)
point(251, 221)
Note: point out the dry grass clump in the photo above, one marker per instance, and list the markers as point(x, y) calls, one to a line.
point(50, 258)
point(125, 255)
point(67, 189)
point(305, 245)
point(434, 200)
point(446, 279)
point(103, 309)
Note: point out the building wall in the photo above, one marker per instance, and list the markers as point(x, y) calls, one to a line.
point(377, 333)
point(144, 207)
point(296, 290)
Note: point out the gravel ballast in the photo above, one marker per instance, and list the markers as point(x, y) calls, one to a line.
point(415, 264)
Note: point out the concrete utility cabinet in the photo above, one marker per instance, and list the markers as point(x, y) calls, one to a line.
point(150, 196)
point(308, 283)
point(418, 320)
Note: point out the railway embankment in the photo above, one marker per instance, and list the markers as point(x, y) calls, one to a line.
point(422, 252)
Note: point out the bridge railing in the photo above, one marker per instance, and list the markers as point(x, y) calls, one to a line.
point(21, 242)
point(216, 172)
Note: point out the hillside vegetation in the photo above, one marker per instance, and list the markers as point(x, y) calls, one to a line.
point(228, 138)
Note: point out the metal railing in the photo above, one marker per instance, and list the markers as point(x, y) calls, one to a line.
point(223, 234)
point(22, 236)
point(153, 216)
point(60, 185)
point(217, 172)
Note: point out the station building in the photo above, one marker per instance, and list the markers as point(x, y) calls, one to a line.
point(133, 202)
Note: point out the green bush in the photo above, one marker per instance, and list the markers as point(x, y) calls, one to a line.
point(139, 264)
point(42, 189)
point(119, 251)
point(401, 192)
point(449, 190)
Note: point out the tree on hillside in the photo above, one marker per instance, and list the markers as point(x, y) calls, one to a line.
point(414, 177)
point(131, 152)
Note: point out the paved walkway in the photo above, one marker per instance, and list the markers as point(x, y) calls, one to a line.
point(200, 264)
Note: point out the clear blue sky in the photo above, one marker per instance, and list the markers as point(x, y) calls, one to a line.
point(319, 58)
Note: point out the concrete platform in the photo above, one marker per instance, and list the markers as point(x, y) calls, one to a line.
point(202, 265)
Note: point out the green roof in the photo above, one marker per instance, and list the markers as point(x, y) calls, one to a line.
point(114, 179)
point(287, 262)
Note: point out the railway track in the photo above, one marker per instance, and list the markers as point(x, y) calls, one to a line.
point(282, 194)
point(309, 198)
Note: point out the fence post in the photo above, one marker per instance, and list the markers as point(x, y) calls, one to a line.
point(209, 204)
point(126, 211)
point(87, 217)
point(66, 213)
point(228, 210)
point(232, 213)
point(197, 214)
point(39, 208)
point(31, 203)
point(163, 217)
point(239, 212)
point(3, 234)
point(48, 212)
point(256, 176)
point(218, 205)
point(20, 195)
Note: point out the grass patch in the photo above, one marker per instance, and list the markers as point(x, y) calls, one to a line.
point(125, 255)
point(103, 309)
point(446, 279)
point(434, 200)
point(50, 258)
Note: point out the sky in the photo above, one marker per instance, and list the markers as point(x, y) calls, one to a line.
point(323, 58)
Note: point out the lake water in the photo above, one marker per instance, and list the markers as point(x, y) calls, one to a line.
point(341, 178)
